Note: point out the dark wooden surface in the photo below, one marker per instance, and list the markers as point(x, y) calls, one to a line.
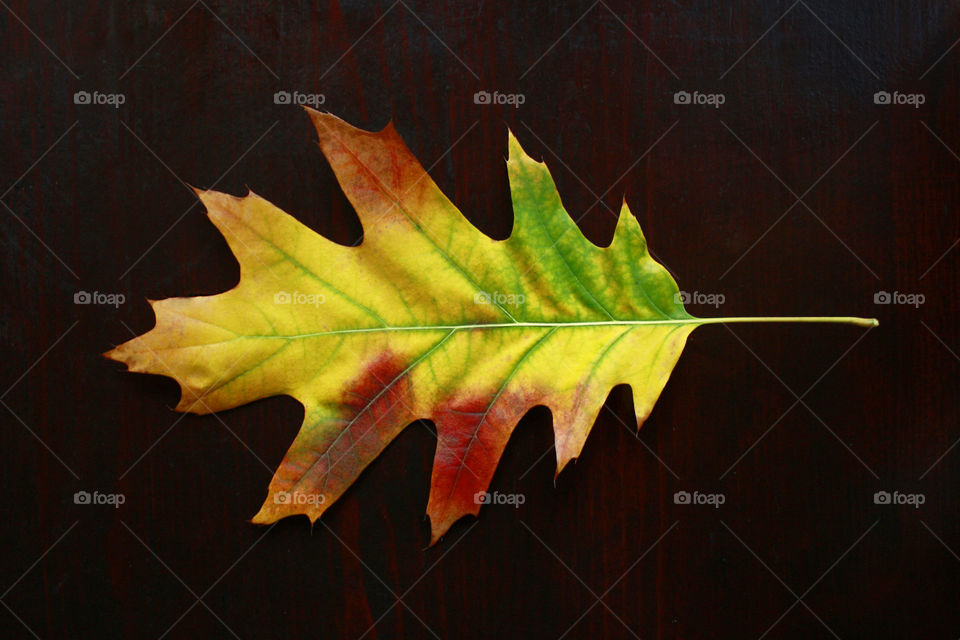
point(799, 520)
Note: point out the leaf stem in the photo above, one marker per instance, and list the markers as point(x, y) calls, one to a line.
point(860, 322)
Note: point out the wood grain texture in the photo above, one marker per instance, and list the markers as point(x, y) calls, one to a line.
point(880, 197)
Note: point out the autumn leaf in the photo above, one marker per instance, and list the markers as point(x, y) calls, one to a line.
point(427, 319)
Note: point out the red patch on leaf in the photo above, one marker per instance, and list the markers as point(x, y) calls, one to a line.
point(331, 451)
point(471, 436)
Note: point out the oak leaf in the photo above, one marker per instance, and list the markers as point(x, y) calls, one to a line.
point(428, 318)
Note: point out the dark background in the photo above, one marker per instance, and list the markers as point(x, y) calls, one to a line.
point(93, 201)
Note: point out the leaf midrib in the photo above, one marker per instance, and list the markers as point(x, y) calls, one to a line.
point(457, 327)
point(498, 325)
